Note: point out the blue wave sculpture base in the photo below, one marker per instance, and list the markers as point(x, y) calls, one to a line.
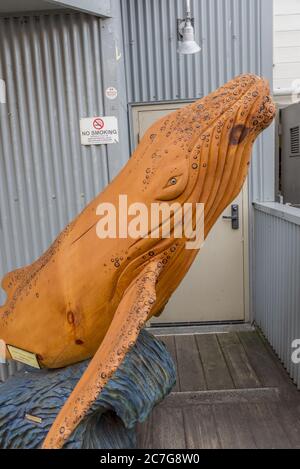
point(144, 379)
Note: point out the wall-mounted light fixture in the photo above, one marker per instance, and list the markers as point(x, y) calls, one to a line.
point(186, 33)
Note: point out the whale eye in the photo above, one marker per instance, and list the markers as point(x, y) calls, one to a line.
point(172, 182)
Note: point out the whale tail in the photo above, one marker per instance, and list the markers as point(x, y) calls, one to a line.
point(130, 317)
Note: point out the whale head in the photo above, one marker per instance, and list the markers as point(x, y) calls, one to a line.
point(201, 153)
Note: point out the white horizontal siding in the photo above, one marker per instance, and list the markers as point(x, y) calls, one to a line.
point(286, 54)
point(286, 43)
point(285, 84)
point(288, 70)
point(287, 22)
point(284, 7)
point(287, 39)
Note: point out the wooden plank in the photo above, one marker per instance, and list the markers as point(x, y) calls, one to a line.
point(242, 372)
point(194, 329)
point(267, 366)
point(230, 396)
point(200, 428)
point(251, 416)
point(264, 421)
point(145, 434)
point(289, 416)
point(233, 429)
point(168, 429)
point(263, 363)
point(216, 371)
point(240, 426)
point(169, 342)
point(190, 371)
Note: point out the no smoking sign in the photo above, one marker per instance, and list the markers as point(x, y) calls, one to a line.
point(98, 124)
point(99, 130)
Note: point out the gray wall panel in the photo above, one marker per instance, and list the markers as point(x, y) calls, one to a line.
point(47, 177)
point(56, 68)
point(277, 279)
point(53, 69)
point(229, 32)
point(235, 36)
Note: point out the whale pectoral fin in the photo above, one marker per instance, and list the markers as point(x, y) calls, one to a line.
point(131, 315)
point(11, 280)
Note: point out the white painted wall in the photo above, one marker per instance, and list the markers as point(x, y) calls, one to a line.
point(286, 43)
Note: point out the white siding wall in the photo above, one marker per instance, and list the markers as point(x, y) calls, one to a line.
point(286, 43)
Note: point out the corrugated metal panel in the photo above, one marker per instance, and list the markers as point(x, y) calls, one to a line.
point(52, 65)
point(52, 68)
point(224, 29)
point(277, 279)
point(236, 37)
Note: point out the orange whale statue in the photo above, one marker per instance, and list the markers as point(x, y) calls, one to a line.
point(89, 297)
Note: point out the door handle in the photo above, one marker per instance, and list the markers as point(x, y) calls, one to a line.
point(235, 217)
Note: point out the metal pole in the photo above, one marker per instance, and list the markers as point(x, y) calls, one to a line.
point(188, 9)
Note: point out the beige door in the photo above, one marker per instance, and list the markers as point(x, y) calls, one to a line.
point(216, 287)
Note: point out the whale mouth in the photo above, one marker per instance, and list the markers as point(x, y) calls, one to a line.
point(264, 109)
point(191, 124)
point(252, 93)
point(246, 101)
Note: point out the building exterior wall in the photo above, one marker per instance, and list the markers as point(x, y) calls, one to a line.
point(286, 44)
point(277, 272)
point(47, 177)
point(276, 256)
point(235, 36)
point(224, 30)
point(56, 68)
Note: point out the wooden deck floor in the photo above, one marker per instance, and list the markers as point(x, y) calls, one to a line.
point(231, 392)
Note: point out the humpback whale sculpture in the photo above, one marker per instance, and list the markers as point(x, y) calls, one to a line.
point(87, 297)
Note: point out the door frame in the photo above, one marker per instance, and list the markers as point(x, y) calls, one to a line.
point(134, 110)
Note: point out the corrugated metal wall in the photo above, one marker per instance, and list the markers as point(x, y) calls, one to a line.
point(56, 66)
point(235, 36)
point(277, 279)
point(52, 68)
point(224, 29)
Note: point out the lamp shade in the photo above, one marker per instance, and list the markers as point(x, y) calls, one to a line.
point(188, 45)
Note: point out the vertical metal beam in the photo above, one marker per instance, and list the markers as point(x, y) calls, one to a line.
point(188, 8)
point(263, 167)
point(262, 186)
point(113, 66)
point(268, 142)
